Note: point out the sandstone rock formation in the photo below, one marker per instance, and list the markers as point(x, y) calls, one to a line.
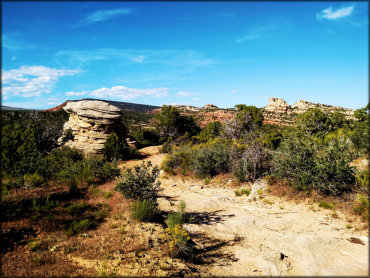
point(303, 105)
point(91, 122)
point(277, 105)
point(278, 112)
point(209, 106)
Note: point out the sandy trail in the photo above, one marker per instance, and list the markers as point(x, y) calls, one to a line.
point(249, 236)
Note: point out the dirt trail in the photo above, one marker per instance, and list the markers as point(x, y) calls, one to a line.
point(250, 236)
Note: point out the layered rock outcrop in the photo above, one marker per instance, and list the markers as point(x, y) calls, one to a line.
point(278, 112)
point(91, 122)
point(303, 105)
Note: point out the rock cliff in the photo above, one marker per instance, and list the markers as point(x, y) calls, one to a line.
point(91, 122)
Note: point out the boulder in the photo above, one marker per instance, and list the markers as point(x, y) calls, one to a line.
point(91, 123)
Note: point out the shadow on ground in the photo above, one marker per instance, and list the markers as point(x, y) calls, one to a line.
point(207, 218)
point(209, 250)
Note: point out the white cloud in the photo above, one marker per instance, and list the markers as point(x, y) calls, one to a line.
point(138, 58)
point(76, 93)
point(103, 15)
point(233, 91)
point(31, 81)
point(123, 93)
point(186, 94)
point(339, 13)
point(53, 103)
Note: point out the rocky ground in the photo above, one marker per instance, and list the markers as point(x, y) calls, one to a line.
point(262, 234)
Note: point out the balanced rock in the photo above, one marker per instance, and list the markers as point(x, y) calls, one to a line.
point(91, 122)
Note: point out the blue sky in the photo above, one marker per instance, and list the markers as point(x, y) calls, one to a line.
point(224, 53)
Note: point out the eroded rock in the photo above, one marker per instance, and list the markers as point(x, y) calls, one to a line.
point(91, 123)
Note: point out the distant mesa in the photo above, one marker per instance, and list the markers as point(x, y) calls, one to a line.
point(57, 108)
point(209, 106)
point(91, 122)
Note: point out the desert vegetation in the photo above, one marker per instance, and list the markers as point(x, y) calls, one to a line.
point(64, 193)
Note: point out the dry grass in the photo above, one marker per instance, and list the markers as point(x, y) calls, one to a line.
point(55, 253)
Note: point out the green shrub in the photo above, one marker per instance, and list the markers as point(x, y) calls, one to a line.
point(326, 205)
point(34, 180)
point(178, 158)
point(145, 137)
point(43, 206)
point(314, 121)
point(78, 226)
point(170, 123)
point(116, 148)
point(362, 207)
point(143, 210)
point(310, 163)
point(242, 191)
point(76, 208)
point(103, 211)
point(177, 218)
point(211, 159)
point(177, 238)
point(34, 244)
point(107, 194)
point(166, 147)
point(210, 131)
point(362, 181)
point(140, 183)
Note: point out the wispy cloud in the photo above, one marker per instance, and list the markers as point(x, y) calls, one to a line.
point(259, 31)
point(166, 57)
point(16, 43)
point(187, 94)
point(123, 93)
point(331, 14)
point(29, 81)
point(102, 15)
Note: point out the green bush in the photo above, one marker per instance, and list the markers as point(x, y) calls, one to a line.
point(166, 147)
point(76, 208)
point(34, 180)
point(43, 206)
point(116, 148)
point(326, 205)
point(177, 218)
point(178, 157)
point(140, 183)
point(79, 225)
point(310, 163)
point(146, 137)
point(362, 206)
point(362, 181)
point(170, 123)
point(210, 131)
point(143, 210)
point(211, 158)
point(314, 121)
